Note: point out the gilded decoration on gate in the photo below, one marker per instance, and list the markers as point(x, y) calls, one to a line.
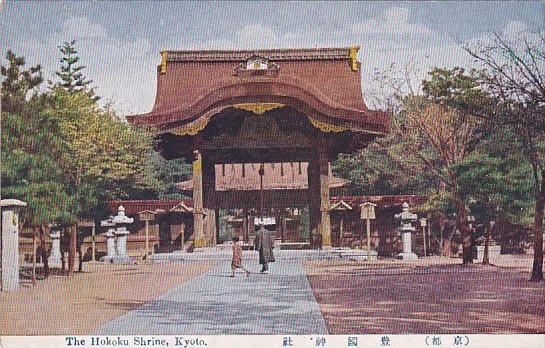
point(164, 55)
point(192, 128)
point(354, 58)
point(258, 108)
point(327, 127)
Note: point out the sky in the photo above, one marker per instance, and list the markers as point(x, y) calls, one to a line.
point(119, 42)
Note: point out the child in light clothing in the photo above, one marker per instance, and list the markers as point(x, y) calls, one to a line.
point(237, 258)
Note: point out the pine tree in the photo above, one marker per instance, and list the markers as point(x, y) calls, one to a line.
point(71, 72)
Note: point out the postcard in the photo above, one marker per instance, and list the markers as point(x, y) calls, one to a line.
point(272, 174)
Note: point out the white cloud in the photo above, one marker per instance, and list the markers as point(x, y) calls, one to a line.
point(393, 22)
point(122, 71)
point(125, 70)
point(515, 28)
point(82, 28)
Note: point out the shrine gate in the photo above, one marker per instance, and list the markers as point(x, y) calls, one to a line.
point(257, 110)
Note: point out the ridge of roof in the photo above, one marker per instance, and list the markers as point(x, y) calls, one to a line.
point(273, 54)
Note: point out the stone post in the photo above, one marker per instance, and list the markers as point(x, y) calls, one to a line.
point(407, 218)
point(55, 257)
point(10, 244)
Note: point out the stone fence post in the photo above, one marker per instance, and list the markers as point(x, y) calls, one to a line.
point(10, 244)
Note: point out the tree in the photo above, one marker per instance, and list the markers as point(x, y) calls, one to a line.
point(494, 182)
point(168, 174)
point(437, 135)
point(515, 75)
point(380, 169)
point(18, 82)
point(71, 73)
point(30, 171)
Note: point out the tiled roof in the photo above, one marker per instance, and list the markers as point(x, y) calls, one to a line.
point(133, 207)
point(274, 54)
point(386, 201)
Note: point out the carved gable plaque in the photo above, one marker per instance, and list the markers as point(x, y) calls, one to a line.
point(257, 66)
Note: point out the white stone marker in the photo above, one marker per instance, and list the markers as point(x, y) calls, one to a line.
point(55, 257)
point(10, 243)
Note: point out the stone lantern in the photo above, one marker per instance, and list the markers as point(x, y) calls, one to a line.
point(110, 240)
point(121, 222)
point(55, 235)
point(407, 219)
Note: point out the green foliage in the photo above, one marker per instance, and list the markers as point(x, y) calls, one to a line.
point(101, 150)
point(496, 180)
point(18, 82)
point(30, 171)
point(65, 156)
point(455, 87)
point(382, 169)
point(168, 174)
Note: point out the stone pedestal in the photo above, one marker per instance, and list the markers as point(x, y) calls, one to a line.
point(407, 253)
point(110, 244)
point(121, 245)
point(10, 244)
point(493, 253)
point(55, 257)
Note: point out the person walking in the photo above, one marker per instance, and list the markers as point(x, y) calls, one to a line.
point(236, 262)
point(264, 244)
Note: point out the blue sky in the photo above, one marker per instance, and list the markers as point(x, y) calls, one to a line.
point(119, 42)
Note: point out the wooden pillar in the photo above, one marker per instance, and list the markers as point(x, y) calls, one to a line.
point(73, 247)
point(93, 242)
point(198, 201)
point(314, 201)
point(245, 235)
point(284, 226)
point(217, 222)
point(341, 227)
point(212, 226)
point(147, 239)
point(34, 246)
point(325, 224)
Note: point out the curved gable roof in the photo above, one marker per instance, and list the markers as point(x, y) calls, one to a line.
point(325, 81)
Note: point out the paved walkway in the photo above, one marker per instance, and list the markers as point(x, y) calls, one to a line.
point(281, 302)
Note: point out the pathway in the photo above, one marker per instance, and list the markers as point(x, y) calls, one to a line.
point(281, 302)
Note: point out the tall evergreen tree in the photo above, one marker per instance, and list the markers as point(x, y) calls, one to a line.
point(71, 74)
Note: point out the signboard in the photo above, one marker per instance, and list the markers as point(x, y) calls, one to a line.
point(367, 211)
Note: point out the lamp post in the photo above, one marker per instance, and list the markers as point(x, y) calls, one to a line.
point(261, 173)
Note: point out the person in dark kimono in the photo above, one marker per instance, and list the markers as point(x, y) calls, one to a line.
point(264, 244)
